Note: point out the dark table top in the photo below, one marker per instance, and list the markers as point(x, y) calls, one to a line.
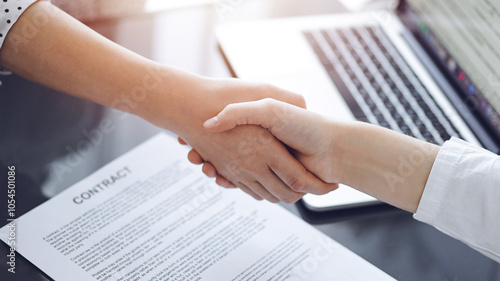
point(42, 130)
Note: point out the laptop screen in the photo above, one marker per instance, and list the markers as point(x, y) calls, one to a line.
point(464, 37)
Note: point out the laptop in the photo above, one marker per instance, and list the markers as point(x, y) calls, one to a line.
point(428, 69)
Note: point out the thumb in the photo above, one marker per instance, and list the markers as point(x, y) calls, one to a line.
point(247, 113)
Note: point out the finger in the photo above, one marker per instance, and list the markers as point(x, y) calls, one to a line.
point(195, 158)
point(254, 113)
point(249, 192)
point(278, 188)
point(292, 125)
point(220, 180)
point(287, 96)
point(257, 188)
point(181, 141)
point(209, 170)
point(295, 176)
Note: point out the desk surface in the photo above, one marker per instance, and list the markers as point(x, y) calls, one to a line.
point(41, 130)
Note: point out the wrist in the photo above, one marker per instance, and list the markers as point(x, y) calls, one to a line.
point(385, 164)
point(189, 100)
point(169, 98)
point(342, 151)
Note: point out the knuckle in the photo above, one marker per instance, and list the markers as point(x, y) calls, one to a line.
point(271, 105)
point(298, 185)
point(258, 198)
point(326, 188)
point(224, 176)
point(273, 199)
point(333, 187)
point(229, 109)
point(291, 199)
point(268, 102)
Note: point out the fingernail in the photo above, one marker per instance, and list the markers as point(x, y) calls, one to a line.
point(212, 122)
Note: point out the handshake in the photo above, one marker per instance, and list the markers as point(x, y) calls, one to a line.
point(279, 151)
point(304, 164)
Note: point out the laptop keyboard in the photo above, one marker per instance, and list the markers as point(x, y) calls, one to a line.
point(377, 84)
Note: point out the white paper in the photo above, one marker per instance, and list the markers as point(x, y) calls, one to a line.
point(151, 215)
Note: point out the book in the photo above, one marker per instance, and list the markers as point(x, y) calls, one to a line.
point(151, 215)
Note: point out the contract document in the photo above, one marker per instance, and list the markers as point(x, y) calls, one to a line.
point(151, 215)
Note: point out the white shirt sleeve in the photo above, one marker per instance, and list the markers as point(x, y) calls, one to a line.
point(10, 11)
point(462, 196)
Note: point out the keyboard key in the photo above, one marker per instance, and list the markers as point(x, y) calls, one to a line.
point(406, 130)
point(390, 106)
point(445, 136)
point(401, 122)
point(380, 119)
point(385, 124)
point(410, 112)
point(359, 51)
point(415, 118)
point(362, 119)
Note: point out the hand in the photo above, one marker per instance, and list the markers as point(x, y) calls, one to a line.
point(113, 76)
point(247, 157)
point(305, 132)
point(388, 165)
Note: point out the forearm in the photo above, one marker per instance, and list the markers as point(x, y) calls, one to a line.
point(51, 48)
point(62, 53)
point(387, 165)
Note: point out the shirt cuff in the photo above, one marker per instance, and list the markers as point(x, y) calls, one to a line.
point(10, 12)
point(442, 171)
point(461, 196)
